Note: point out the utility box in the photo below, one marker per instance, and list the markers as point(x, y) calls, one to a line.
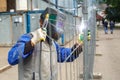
point(3, 5)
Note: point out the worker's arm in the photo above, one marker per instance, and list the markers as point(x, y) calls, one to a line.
point(25, 45)
point(63, 53)
point(21, 47)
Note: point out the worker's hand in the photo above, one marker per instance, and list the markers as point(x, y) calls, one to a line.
point(81, 37)
point(77, 48)
point(38, 35)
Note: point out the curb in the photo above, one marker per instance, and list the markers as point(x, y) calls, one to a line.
point(4, 68)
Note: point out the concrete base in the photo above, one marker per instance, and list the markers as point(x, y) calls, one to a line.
point(95, 76)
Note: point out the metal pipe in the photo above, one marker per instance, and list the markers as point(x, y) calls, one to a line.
point(85, 48)
point(28, 23)
point(92, 23)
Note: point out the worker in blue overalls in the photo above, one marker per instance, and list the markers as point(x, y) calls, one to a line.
point(28, 46)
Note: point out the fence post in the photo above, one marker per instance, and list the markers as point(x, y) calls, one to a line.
point(92, 28)
point(89, 46)
point(85, 48)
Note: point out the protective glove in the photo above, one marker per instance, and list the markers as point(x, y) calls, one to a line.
point(38, 35)
point(77, 48)
point(81, 37)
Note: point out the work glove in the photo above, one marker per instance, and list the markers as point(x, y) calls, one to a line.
point(77, 48)
point(81, 37)
point(38, 35)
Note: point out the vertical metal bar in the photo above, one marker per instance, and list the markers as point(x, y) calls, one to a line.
point(90, 46)
point(74, 6)
point(51, 63)
point(11, 29)
point(75, 33)
point(69, 46)
point(92, 22)
point(60, 67)
point(56, 2)
point(50, 50)
point(75, 63)
point(66, 68)
point(63, 41)
point(28, 22)
point(69, 18)
point(40, 60)
point(85, 48)
point(20, 67)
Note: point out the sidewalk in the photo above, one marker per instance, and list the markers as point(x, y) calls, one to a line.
point(109, 63)
point(3, 56)
point(9, 73)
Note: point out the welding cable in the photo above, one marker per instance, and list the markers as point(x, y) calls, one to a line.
point(51, 78)
point(44, 26)
point(20, 66)
point(71, 54)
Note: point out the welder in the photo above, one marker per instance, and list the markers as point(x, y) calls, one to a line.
point(28, 45)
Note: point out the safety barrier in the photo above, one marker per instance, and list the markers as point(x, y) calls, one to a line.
point(28, 20)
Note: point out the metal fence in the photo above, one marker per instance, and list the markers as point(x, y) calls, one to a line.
point(26, 21)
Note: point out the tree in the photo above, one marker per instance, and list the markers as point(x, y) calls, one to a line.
point(113, 10)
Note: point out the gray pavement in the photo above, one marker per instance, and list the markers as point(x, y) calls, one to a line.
point(108, 64)
point(3, 56)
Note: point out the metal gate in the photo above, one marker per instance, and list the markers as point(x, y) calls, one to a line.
point(84, 62)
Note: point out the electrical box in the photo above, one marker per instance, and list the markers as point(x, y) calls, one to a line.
point(3, 5)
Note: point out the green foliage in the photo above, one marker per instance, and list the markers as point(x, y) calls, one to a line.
point(113, 10)
point(114, 3)
point(100, 1)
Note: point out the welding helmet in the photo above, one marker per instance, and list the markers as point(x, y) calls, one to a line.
point(55, 27)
